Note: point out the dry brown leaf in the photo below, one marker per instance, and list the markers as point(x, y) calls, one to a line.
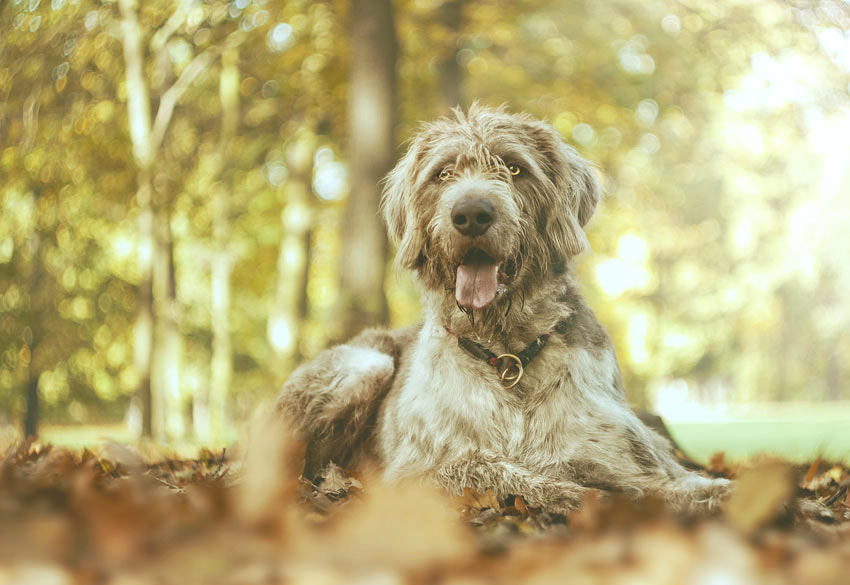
point(488, 500)
point(759, 496)
point(272, 464)
point(822, 567)
point(717, 464)
point(835, 473)
point(520, 506)
point(588, 516)
point(336, 482)
point(812, 472)
point(333, 478)
point(407, 526)
point(475, 501)
point(93, 521)
point(124, 455)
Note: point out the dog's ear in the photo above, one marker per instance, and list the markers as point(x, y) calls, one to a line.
point(577, 187)
point(397, 205)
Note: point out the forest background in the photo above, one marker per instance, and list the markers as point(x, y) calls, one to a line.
point(189, 191)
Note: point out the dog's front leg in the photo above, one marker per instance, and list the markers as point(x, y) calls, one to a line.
point(683, 490)
point(504, 477)
point(330, 401)
point(640, 462)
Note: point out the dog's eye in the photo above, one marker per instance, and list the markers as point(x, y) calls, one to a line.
point(445, 174)
point(514, 169)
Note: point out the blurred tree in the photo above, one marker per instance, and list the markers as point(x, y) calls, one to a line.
point(33, 334)
point(139, 122)
point(157, 320)
point(451, 75)
point(290, 307)
point(62, 319)
point(371, 137)
point(221, 367)
point(720, 130)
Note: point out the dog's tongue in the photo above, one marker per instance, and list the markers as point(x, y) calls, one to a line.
point(476, 284)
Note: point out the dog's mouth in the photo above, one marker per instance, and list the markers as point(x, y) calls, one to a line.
point(479, 278)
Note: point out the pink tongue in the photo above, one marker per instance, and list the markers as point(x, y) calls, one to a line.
point(476, 285)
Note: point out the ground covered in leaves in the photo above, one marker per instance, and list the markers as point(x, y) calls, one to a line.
point(113, 516)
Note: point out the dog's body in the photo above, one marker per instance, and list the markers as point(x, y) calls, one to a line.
point(488, 210)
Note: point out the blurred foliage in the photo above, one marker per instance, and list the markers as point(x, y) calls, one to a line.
point(721, 131)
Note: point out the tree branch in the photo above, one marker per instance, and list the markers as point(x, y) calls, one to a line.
point(29, 118)
point(173, 94)
point(175, 21)
point(138, 103)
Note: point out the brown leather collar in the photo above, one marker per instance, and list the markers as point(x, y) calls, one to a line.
point(509, 365)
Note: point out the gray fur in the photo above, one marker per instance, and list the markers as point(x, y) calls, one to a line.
point(418, 405)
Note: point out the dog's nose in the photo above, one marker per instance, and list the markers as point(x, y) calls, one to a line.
point(472, 217)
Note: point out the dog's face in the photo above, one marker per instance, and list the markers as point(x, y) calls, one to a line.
point(488, 203)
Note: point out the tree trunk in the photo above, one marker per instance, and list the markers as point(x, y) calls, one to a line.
point(371, 115)
point(450, 75)
point(139, 122)
point(168, 401)
point(143, 342)
point(834, 390)
point(785, 342)
point(303, 310)
point(221, 366)
point(158, 366)
point(29, 117)
point(292, 269)
point(31, 417)
point(31, 398)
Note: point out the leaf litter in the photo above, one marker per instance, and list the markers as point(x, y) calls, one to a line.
point(114, 516)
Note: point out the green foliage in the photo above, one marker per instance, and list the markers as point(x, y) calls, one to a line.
point(717, 127)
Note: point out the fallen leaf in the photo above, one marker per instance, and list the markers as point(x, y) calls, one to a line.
point(717, 464)
point(336, 482)
point(401, 526)
point(759, 496)
point(473, 500)
point(333, 478)
point(835, 473)
point(269, 470)
point(520, 506)
point(812, 472)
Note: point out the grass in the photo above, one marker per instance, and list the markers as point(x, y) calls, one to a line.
point(794, 431)
point(79, 436)
point(793, 440)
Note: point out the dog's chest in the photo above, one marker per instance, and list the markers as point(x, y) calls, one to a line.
point(450, 404)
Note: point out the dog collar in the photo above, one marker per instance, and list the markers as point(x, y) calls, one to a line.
point(511, 366)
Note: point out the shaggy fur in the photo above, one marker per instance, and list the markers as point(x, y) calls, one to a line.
point(421, 406)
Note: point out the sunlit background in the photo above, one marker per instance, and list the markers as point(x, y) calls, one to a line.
point(172, 219)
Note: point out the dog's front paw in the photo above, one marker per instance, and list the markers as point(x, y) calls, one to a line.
point(694, 494)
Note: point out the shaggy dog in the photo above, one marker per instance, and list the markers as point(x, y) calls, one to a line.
point(510, 384)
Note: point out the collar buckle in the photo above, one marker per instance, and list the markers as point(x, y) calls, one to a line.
point(511, 373)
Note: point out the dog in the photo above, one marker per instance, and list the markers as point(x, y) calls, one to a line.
point(510, 383)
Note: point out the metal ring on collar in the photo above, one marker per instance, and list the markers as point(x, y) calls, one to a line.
point(508, 378)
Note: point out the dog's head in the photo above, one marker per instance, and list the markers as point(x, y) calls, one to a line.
point(487, 203)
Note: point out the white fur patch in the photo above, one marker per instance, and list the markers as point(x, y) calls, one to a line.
point(357, 364)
